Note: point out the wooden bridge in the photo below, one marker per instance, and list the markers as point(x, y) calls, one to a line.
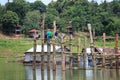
point(107, 59)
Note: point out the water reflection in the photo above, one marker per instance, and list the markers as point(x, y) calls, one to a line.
point(16, 71)
point(96, 74)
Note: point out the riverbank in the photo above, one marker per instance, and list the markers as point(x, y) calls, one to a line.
point(17, 46)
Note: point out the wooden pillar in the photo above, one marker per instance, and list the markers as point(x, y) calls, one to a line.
point(78, 50)
point(48, 75)
point(34, 51)
point(63, 75)
point(42, 54)
point(54, 75)
point(48, 56)
point(84, 52)
point(54, 58)
point(34, 58)
point(63, 56)
point(116, 51)
point(54, 25)
point(54, 53)
point(103, 57)
point(92, 46)
point(71, 60)
point(42, 75)
point(34, 74)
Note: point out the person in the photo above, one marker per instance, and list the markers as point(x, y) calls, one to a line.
point(49, 35)
point(56, 33)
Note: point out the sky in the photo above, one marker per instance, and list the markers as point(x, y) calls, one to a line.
point(46, 1)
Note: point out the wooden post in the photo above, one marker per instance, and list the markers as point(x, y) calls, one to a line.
point(34, 74)
point(34, 55)
point(34, 58)
point(54, 59)
point(54, 24)
point(48, 56)
point(84, 52)
point(42, 75)
point(42, 55)
point(63, 56)
point(92, 46)
point(93, 33)
point(78, 50)
point(63, 75)
point(54, 53)
point(104, 41)
point(71, 60)
point(54, 75)
point(116, 51)
point(48, 75)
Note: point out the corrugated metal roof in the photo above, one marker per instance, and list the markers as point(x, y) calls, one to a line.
point(39, 48)
point(99, 50)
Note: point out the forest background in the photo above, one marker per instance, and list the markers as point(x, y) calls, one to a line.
point(104, 17)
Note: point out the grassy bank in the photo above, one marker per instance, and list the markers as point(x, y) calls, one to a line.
point(10, 47)
point(17, 47)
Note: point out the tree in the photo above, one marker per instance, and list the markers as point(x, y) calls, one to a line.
point(2, 11)
point(38, 5)
point(31, 21)
point(116, 7)
point(9, 20)
point(20, 7)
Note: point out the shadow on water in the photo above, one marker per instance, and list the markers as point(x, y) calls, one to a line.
point(74, 74)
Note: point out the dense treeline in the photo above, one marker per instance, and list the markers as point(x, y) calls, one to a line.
point(104, 17)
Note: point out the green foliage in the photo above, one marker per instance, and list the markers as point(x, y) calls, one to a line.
point(82, 12)
point(104, 17)
point(38, 5)
point(2, 11)
point(31, 21)
point(9, 20)
point(20, 7)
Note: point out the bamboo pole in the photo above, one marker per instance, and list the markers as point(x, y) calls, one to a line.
point(42, 55)
point(104, 41)
point(92, 46)
point(78, 50)
point(116, 51)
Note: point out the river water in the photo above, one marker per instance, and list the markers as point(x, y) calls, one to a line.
point(10, 70)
